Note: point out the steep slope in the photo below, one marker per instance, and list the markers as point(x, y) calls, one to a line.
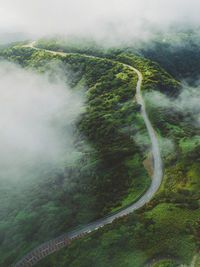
point(36, 255)
point(103, 178)
point(168, 226)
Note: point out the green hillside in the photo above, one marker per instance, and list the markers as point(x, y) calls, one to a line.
point(108, 173)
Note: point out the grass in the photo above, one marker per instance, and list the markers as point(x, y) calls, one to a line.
point(166, 263)
point(138, 187)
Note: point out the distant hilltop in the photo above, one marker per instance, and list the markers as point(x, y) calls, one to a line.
point(8, 37)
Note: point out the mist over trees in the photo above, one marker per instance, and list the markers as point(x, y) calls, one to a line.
point(74, 146)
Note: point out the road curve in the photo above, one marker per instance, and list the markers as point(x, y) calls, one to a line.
point(51, 246)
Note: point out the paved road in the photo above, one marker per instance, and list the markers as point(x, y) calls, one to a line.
point(51, 246)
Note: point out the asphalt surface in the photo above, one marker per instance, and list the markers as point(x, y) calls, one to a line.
point(51, 246)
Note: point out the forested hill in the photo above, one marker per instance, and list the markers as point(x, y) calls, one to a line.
point(178, 53)
point(108, 172)
point(181, 62)
point(168, 226)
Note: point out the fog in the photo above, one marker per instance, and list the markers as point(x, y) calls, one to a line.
point(187, 102)
point(113, 20)
point(37, 116)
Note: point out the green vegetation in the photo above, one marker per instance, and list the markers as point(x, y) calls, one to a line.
point(166, 263)
point(197, 264)
point(169, 224)
point(109, 173)
point(72, 45)
point(178, 53)
point(155, 77)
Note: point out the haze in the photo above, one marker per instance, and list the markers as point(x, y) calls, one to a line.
point(36, 122)
point(111, 20)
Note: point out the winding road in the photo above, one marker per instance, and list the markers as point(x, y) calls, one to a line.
point(51, 246)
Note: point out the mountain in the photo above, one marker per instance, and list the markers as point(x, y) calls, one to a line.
point(9, 37)
point(112, 144)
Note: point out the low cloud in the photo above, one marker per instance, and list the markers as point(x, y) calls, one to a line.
point(187, 102)
point(166, 146)
point(37, 116)
point(113, 20)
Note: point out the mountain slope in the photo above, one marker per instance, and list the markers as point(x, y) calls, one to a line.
point(169, 224)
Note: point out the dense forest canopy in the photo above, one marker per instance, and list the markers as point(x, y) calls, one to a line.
point(107, 170)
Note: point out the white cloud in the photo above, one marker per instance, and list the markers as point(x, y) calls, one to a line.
point(36, 121)
point(113, 18)
point(187, 101)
